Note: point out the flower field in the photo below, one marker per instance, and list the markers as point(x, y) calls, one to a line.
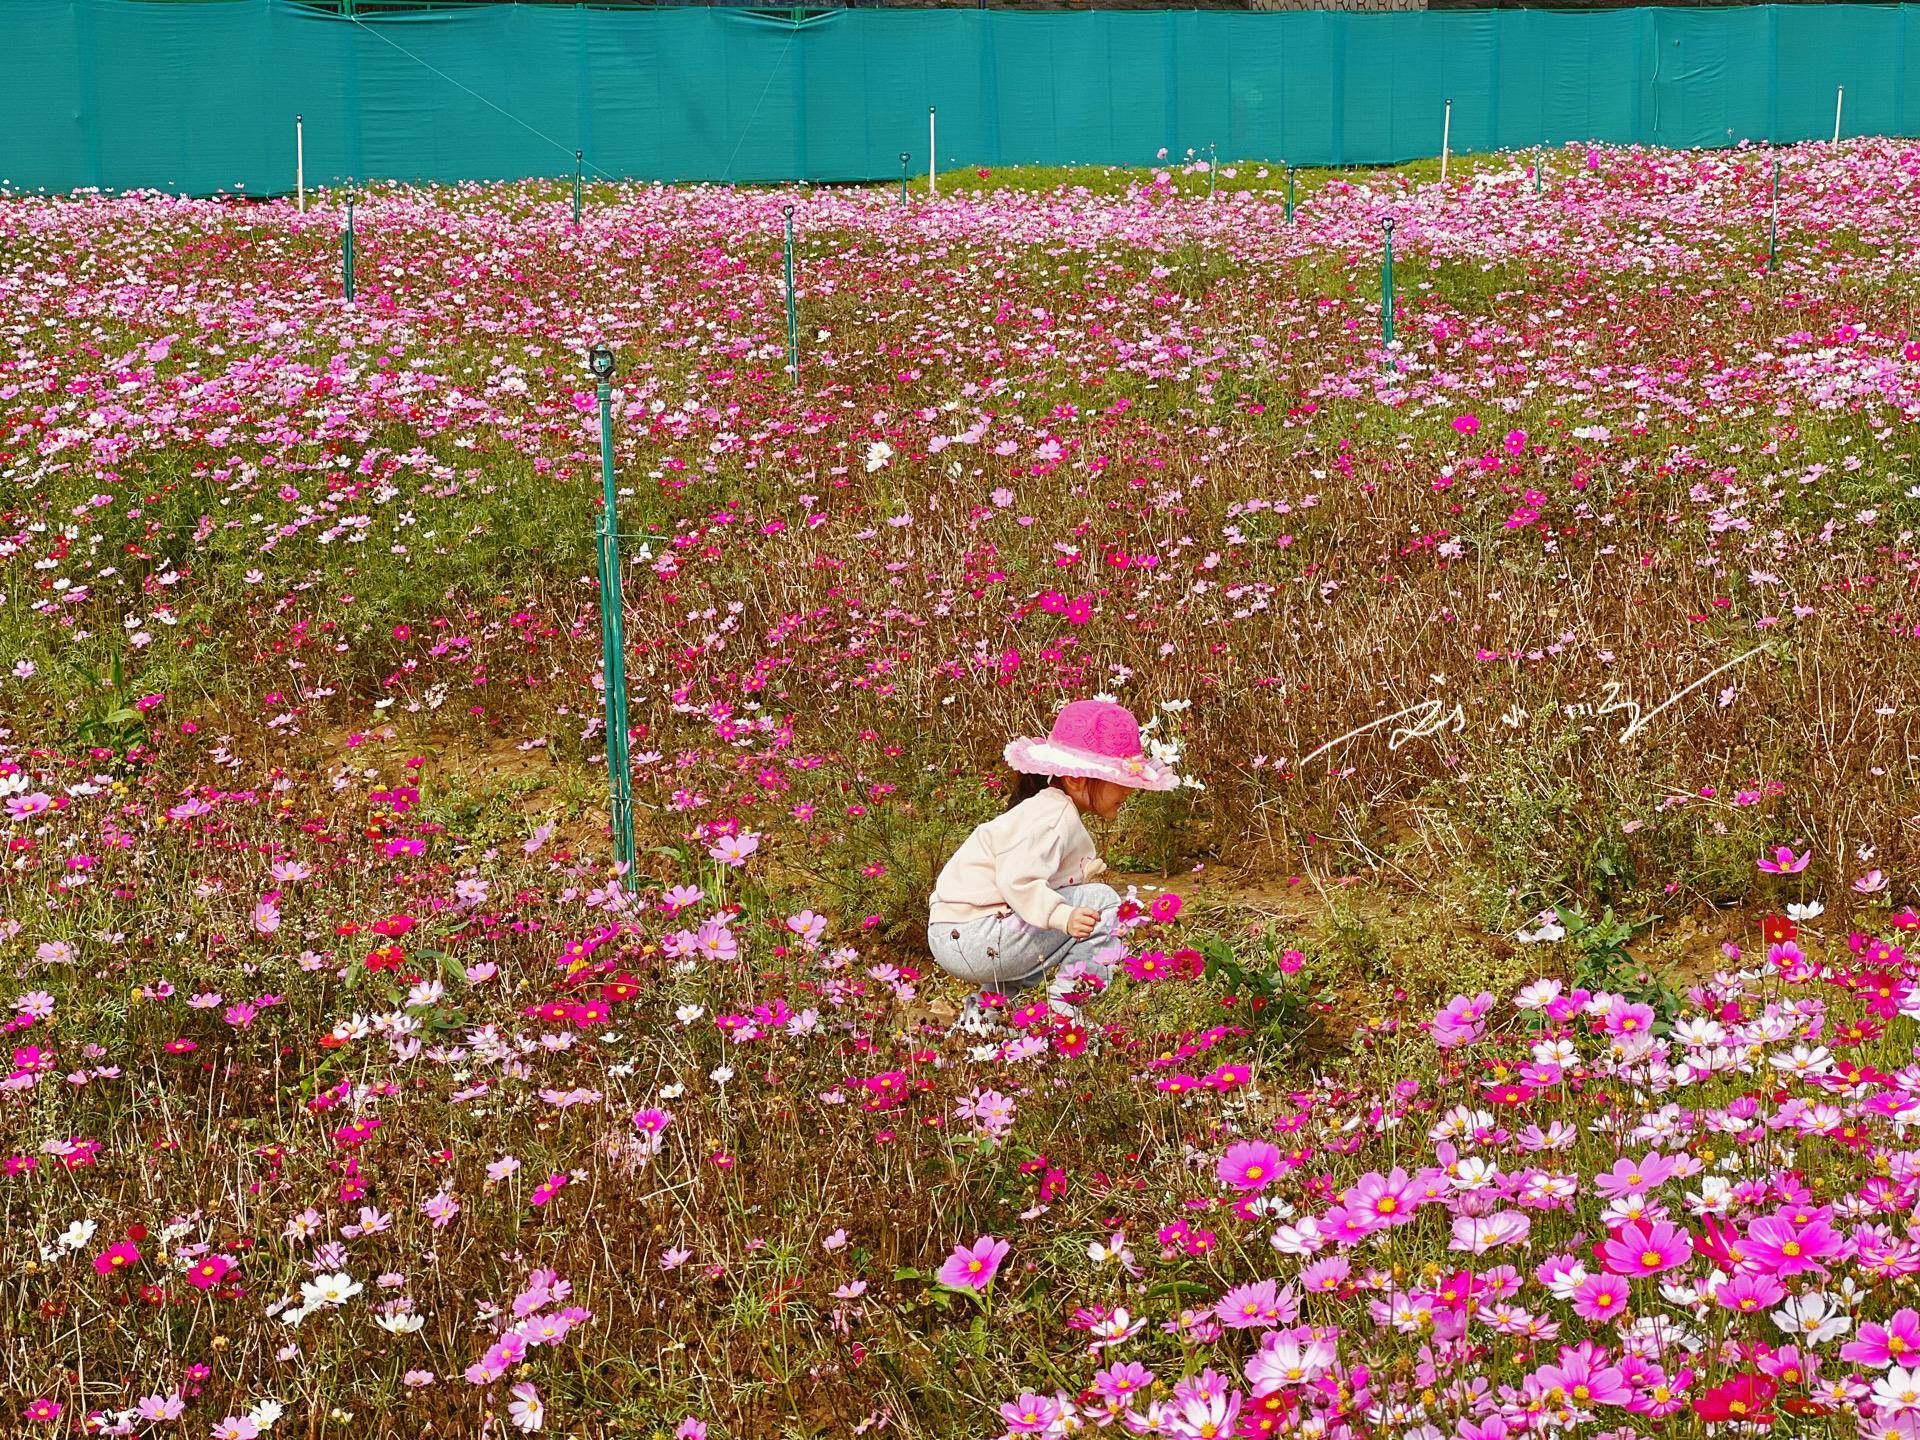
point(1517, 1029)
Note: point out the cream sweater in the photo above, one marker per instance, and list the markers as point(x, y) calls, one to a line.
point(1017, 861)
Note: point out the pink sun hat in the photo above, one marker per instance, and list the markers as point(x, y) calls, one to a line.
point(1094, 740)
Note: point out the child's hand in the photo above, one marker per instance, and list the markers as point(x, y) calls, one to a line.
point(1093, 867)
point(1082, 922)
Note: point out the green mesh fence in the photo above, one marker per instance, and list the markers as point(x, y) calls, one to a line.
point(201, 98)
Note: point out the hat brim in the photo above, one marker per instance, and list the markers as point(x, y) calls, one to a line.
point(1031, 755)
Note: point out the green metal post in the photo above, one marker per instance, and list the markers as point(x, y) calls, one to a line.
point(613, 643)
point(1536, 172)
point(905, 160)
point(1213, 169)
point(1386, 288)
point(793, 314)
point(1289, 194)
point(1773, 222)
point(346, 250)
point(579, 157)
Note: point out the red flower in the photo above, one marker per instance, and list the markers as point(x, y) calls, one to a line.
point(1745, 1398)
point(1777, 929)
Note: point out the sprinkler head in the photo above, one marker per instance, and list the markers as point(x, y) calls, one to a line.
point(600, 361)
point(787, 210)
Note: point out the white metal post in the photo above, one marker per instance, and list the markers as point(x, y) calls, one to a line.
point(300, 161)
point(1446, 139)
point(1839, 99)
point(933, 182)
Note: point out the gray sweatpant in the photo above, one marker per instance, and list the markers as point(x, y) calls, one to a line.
point(1003, 954)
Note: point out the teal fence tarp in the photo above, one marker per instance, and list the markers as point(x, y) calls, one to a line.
point(200, 98)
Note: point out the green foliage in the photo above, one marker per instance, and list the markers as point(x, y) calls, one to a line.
point(1274, 983)
point(1603, 962)
point(116, 723)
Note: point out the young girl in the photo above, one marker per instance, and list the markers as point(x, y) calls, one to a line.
point(1014, 905)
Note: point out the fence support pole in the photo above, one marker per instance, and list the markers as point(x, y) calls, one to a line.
point(1446, 139)
point(1213, 168)
point(1839, 99)
point(905, 160)
point(613, 642)
point(793, 314)
point(1536, 172)
point(933, 180)
point(346, 252)
point(1386, 289)
point(1289, 194)
point(579, 161)
point(300, 161)
point(1773, 222)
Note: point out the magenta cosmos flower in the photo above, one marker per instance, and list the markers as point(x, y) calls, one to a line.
point(1249, 1165)
point(972, 1267)
point(1783, 861)
point(1776, 1246)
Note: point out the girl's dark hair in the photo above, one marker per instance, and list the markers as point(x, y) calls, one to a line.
point(1025, 787)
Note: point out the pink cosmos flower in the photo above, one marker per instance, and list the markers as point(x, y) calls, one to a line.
point(1391, 1199)
point(1636, 1019)
point(1747, 1294)
point(528, 1412)
point(1895, 1343)
point(972, 1267)
point(1647, 1249)
point(1119, 1382)
point(1778, 1247)
point(1583, 1374)
point(1783, 861)
point(116, 1257)
point(1326, 1276)
point(1257, 1306)
point(1249, 1165)
point(1635, 1177)
point(1348, 1224)
point(1031, 1414)
point(1601, 1297)
point(209, 1272)
point(1461, 1021)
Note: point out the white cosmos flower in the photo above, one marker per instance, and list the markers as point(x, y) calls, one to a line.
point(266, 1412)
point(76, 1235)
point(1304, 1238)
point(334, 1289)
point(1812, 1318)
